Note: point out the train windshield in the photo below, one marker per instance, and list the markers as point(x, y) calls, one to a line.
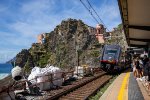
point(111, 51)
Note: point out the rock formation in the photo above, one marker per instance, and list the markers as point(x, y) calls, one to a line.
point(68, 45)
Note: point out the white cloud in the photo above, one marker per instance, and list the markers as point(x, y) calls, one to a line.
point(6, 55)
point(109, 13)
point(14, 40)
point(42, 17)
point(38, 16)
point(35, 6)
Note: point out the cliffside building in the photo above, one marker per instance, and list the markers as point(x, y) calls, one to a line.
point(99, 33)
point(41, 38)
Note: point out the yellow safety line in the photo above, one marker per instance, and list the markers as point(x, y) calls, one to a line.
point(123, 95)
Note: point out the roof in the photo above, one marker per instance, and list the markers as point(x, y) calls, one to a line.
point(135, 16)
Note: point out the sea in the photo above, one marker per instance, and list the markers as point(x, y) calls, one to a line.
point(5, 70)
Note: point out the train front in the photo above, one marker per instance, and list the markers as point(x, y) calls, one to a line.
point(110, 58)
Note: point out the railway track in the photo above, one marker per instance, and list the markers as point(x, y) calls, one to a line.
point(84, 92)
point(80, 89)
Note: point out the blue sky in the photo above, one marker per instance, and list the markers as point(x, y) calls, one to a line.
point(22, 20)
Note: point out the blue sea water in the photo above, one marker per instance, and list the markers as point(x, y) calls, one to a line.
point(5, 70)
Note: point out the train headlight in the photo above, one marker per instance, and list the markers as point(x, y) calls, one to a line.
point(113, 61)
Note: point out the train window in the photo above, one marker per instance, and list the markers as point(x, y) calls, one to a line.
point(111, 51)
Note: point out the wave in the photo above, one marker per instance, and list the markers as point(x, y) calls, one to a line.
point(3, 75)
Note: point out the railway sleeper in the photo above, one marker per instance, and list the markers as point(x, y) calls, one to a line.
point(71, 98)
point(75, 86)
point(79, 94)
point(84, 94)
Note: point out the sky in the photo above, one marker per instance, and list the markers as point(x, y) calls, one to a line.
point(22, 20)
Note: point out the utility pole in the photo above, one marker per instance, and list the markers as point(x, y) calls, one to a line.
point(61, 38)
point(59, 48)
point(76, 52)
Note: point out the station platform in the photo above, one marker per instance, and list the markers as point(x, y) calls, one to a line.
point(126, 87)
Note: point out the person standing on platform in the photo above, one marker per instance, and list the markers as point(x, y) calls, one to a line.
point(141, 69)
point(138, 69)
point(134, 68)
point(145, 60)
point(147, 75)
point(148, 70)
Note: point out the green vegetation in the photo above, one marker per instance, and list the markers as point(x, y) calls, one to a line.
point(43, 59)
point(120, 26)
point(103, 89)
point(59, 48)
point(94, 53)
point(52, 59)
point(27, 67)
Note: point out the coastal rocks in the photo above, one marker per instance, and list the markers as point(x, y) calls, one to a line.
point(69, 38)
point(68, 45)
point(23, 57)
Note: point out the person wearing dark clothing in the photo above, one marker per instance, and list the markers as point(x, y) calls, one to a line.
point(138, 68)
point(137, 64)
point(145, 60)
point(147, 68)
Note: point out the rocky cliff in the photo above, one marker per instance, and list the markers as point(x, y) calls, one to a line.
point(118, 37)
point(68, 45)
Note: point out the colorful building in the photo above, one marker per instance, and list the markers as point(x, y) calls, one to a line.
point(99, 33)
point(41, 38)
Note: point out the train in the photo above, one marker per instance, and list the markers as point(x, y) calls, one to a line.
point(113, 59)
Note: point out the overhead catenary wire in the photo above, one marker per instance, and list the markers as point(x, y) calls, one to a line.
point(94, 12)
point(89, 11)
